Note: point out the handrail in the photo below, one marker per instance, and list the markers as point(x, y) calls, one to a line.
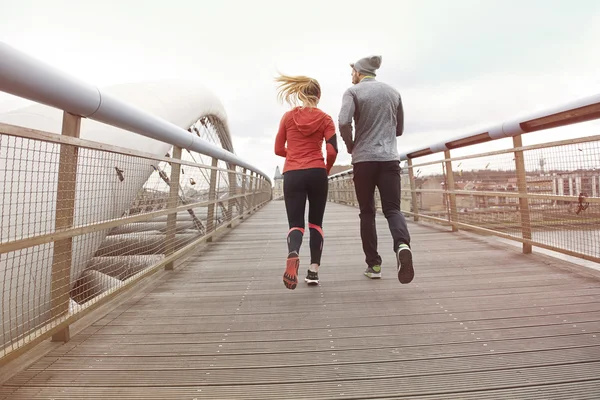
point(94, 236)
point(30, 78)
point(585, 109)
point(131, 237)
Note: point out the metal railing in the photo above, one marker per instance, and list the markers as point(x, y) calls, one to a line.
point(545, 195)
point(82, 221)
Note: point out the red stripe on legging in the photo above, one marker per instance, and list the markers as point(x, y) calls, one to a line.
point(296, 229)
point(318, 228)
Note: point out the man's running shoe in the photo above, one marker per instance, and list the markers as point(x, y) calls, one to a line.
point(290, 277)
point(406, 273)
point(312, 277)
point(373, 272)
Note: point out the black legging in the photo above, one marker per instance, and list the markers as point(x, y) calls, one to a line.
point(297, 186)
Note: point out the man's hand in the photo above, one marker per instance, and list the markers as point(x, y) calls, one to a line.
point(345, 120)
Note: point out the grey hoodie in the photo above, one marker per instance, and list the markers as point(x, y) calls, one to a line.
point(378, 117)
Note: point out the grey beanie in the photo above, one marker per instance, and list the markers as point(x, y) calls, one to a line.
point(367, 65)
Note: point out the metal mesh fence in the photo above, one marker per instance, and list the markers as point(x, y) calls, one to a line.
point(484, 183)
point(29, 172)
point(566, 182)
point(79, 223)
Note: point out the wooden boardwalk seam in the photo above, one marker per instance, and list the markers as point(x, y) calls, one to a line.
point(478, 322)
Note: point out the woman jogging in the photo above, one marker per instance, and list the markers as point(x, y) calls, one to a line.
point(300, 138)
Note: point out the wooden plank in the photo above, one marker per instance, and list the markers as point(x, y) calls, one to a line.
point(388, 334)
point(225, 376)
point(578, 390)
point(398, 386)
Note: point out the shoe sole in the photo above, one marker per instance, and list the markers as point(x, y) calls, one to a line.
point(371, 275)
point(406, 272)
point(311, 282)
point(290, 276)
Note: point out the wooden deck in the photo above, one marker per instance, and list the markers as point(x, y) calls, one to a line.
point(480, 321)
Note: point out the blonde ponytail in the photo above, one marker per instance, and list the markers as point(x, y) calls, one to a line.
point(298, 89)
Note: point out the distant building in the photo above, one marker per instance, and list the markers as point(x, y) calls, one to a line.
point(278, 185)
point(574, 183)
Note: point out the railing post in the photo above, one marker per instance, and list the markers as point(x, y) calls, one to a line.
point(254, 188)
point(354, 197)
point(335, 189)
point(250, 192)
point(243, 198)
point(413, 193)
point(210, 213)
point(251, 187)
point(258, 191)
point(172, 203)
point(522, 186)
point(232, 193)
point(332, 189)
point(347, 192)
point(65, 209)
point(263, 194)
point(453, 215)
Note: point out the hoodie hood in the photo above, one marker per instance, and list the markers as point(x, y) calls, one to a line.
point(308, 120)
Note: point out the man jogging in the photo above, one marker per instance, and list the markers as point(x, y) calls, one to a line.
point(379, 118)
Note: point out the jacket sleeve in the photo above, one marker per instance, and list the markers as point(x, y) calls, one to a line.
point(331, 144)
point(345, 119)
point(281, 138)
point(399, 118)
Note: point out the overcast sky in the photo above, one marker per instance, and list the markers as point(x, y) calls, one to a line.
point(460, 65)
